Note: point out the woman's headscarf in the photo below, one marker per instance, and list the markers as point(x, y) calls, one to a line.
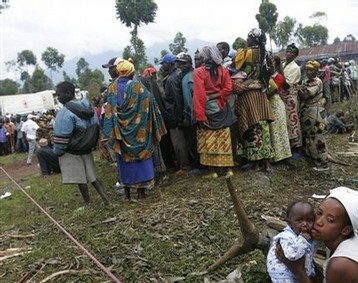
point(212, 58)
point(313, 65)
point(125, 69)
point(292, 48)
point(258, 36)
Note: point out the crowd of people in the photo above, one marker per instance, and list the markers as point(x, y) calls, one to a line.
point(214, 112)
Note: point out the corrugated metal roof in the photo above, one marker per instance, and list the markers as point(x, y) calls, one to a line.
point(323, 51)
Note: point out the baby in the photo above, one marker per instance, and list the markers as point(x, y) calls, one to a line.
point(295, 241)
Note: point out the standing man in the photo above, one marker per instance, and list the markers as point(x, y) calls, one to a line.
point(173, 103)
point(30, 128)
point(292, 74)
point(185, 64)
point(77, 167)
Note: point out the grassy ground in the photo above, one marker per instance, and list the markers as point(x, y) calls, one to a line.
point(172, 236)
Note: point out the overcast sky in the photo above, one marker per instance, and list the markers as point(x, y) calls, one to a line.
point(77, 27)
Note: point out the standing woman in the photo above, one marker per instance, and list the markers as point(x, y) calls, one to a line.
point(292, 74)
point(212, 86)
point(252, 106)
point(278, 128)
point(314, 116)
point(134, 126)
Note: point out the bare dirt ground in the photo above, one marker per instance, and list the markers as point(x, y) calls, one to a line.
point(19, 170)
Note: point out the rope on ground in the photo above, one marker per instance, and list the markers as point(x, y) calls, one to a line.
point(79, 245)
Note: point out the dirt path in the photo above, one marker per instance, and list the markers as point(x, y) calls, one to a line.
point(19, 170)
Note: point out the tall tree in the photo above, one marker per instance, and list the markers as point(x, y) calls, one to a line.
point(52, 59)
point(25, 58)
point(37, 82)
point(82, 66)
point(138, 56)
point(178, 44)
point(134, 13)
point(349, 37)
point(8, 87)
point(314, 35)
point(239, 43)
point(267, 17)
point(284, 31)
point(336, 40)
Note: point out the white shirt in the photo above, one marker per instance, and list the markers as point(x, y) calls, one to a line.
point(29, 128)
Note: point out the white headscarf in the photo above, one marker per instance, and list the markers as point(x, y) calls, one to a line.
point(349, 199)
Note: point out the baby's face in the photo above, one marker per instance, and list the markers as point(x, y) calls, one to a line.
point(301, 218)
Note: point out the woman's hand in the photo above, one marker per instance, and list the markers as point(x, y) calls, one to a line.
point(297, 267)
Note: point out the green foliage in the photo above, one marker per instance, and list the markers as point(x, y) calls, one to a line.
point(349, 38)
point(284, 31)
point(82, 66)
point(336, 40)
point(137, 51)
point(52, 59)
point(91, 81)
point(178, 45)
point(136, 12)
point(37, 82)
point(314, 35)
point(267, 16)
point(24, 76)
point(67, 78)
point(239, 43)
point(8, 87)
point(26, 57)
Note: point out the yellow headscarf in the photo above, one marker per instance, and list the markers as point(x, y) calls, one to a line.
point(312, 64)
point(125, 69)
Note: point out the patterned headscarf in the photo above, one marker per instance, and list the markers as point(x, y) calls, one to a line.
point(312, 64)
point(292, 48)
point(125, 69)
point(258, 36)
point(211, 53)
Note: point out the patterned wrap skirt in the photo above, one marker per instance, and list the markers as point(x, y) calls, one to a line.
point(214, 147)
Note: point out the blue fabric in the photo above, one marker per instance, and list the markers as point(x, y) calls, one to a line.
point(136, 171)
point(66, 121)
point(294, 246)
point(121, 85)
point(188, 90)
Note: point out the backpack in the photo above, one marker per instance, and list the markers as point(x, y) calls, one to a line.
point(83, 140)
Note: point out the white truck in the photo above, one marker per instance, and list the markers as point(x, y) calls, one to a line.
point(27, 103)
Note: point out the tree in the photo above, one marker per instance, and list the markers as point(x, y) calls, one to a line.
point(91, 81)
point(82, 66)
point(314, 35)
point(349, 37)
point(25, 59)
point(178, 45)
point(8, 87)
point(267, 17)
point(134, 13)
point(52, 59)
point(67, 78)
point(239, 43)
point(138, 56)
point(37, 82)
point(284, 31)
point(336, 40)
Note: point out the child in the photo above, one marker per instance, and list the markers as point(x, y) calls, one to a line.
point(295, 241)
